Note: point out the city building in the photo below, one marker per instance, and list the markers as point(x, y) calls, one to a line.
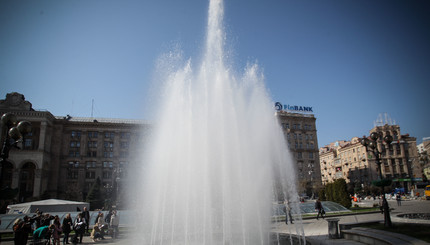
point(351, 161)
point(424, 158)
point(63, 156)
point(301, 133)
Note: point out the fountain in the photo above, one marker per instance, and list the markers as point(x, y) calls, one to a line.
point(217, 160)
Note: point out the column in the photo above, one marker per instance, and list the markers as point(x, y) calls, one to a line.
point(42, 136)
point(37, 182)
point(15, 178)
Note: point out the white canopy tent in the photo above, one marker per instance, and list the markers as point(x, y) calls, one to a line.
point(47, 206)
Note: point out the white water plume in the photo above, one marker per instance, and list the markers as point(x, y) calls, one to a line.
point(216, 152)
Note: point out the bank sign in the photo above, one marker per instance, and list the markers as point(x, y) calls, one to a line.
point(305, 109)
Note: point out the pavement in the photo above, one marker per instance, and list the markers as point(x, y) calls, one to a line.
point(316, 231)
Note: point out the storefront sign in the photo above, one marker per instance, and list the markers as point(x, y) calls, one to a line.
point(296, 108)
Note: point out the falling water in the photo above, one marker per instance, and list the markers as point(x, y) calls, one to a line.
point(216, 155)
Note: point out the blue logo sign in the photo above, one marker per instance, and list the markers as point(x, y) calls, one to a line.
point(280, 107)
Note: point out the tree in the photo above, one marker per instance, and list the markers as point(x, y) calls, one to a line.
point(94, 196)
point(342, 195)
point(337, 192)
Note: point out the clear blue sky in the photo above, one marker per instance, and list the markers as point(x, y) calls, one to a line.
point(349, 60)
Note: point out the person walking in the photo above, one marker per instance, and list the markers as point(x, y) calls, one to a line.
point(79, 228)
point(114, 223)
point(287, 211)
point(319, 208)
point(86, 216)
point(67, 228)
point(399, 199)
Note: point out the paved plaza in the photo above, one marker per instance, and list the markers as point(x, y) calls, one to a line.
point(316, 231)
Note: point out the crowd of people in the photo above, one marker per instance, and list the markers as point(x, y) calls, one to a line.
point(47, 229)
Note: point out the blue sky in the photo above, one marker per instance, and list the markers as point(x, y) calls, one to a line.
point(349, 60)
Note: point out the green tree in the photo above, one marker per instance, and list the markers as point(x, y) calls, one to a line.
point(337, 192)
point(342, 195)
point(94, 196)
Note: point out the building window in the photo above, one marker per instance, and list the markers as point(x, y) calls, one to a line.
point(107, 174)
point(72, 174)
point(92, 144)
point(92, 154)
point(108, 146)
point(90, 175)
point(93, 134)
point(299, 155)
point(74, 153)
point(110, 135)
point(123, 154)
point(73, 164)
point(311, 155)
point(107, 165)
point(74, 144)
point(91, 164)
point(88, 186)
point(125, 135)
point(76, 134)
point(124, 145)
point(108, 154)
point(28, 143)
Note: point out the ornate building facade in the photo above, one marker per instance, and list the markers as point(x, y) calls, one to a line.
point(351, 161)
point(301, 134)
point(63, 156)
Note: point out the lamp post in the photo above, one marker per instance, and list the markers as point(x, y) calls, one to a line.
point(108, 198)
point(117, 179)
point(372, 145)
point(14, 132)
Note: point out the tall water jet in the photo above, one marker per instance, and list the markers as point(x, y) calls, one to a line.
point(217, 159)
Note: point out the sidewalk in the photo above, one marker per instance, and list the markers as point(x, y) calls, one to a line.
point(316, 231)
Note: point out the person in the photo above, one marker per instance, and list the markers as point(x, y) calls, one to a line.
point(399, 199)
point(56, 230)
point(86, 216)
point(46, 219)
point(114, 223)
point(67, 228)
point(100, 222)
point(41, 233)
point(21, 228)
point(79, 227)
point(319, 208)
point(287, 211)
point(96, 233)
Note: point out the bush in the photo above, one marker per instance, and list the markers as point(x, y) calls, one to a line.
point(337, 192)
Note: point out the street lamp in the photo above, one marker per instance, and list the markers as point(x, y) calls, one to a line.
point(108, 198)
point(117, 174)
point(14, 132)
point(372, 146)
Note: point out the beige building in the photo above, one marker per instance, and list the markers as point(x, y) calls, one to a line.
point(63, 156)
point(353, 162)
point(424, 158)
point(301, 133)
